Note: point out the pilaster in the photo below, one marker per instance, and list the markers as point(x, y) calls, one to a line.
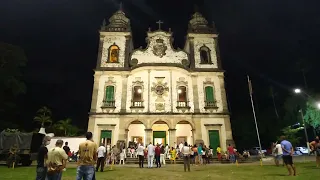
point(124, 93)
point(195, 93)
point(193, 138)
point(223, 94)
point(95, 90)
point(172, 136)
point(229, 138)
point(148, 134)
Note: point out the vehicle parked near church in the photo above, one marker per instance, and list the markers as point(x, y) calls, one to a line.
point(19, 147)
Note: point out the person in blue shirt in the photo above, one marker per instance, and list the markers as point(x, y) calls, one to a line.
point(287, 150)
point(200, 154)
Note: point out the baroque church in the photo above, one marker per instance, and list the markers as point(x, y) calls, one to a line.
point(159, 94)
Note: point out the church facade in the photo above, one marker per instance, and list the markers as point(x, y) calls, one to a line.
point(159, 94)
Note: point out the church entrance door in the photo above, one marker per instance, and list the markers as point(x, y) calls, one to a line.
point(214, 140)
point(105, 137)
point(159, 137)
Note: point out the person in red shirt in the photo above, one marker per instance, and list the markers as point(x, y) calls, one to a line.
point(231, 153)
point(157, 155)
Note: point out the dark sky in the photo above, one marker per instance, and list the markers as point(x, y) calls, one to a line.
point(263, 38)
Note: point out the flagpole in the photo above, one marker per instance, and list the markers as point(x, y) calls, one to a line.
point(255, 118)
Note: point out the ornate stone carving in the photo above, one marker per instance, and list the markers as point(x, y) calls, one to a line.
point(159, 88)
point(159, 106)
point(134, 62)
point(159, 49)
point(208, 82)
point(185, 62)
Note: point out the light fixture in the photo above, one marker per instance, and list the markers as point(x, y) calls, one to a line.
point(297, 90)
point(318, 105)
point(139, 91)
point(179, 91)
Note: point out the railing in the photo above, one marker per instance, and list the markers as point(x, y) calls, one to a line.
point(108, 104)
point(211, 104)
point(137, 104)
point(182, 104)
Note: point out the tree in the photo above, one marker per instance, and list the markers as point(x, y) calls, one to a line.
point(312, 115)
point(291, 135)
point(12, 60)
point(64, 125)
point(272, 94)
point(43, 116)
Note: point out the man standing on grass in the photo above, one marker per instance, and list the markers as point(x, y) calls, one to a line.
point(287, 151)
point(150, 155)
point(101, 157)
point(57, 159)
point(42, 157)
point(277, 153)
point(88, 157)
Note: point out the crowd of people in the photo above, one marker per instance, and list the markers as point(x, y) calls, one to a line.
point(91, 158)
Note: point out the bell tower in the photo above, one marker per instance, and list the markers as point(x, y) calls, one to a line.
point(115, 42)
point(202, 44)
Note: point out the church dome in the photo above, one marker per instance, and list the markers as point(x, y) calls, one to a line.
point(118, 22)
point(199, 24)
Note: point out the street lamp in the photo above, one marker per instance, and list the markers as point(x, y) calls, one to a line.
point(298, 91)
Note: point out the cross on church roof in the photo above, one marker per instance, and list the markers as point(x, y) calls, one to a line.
point(159, 23)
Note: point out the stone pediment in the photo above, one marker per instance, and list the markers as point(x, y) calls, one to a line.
point(159, 51)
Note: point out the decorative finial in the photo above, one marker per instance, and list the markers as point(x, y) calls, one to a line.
point(169, 29)
point(149, 29)
point(121, 6)
point(103, 26)
point(159, 22)
point(213, 25)
point(196, 8)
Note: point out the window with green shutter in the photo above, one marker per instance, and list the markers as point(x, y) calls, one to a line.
point(209, 94)
point(110, 93)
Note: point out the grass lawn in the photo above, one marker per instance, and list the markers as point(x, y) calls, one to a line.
point(175, 172)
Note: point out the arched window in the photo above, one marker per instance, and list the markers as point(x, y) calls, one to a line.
point(137, 96)
point(113, 54)
point(182, 96)
point(210, 100)
point(205, 57)
point(109, 97)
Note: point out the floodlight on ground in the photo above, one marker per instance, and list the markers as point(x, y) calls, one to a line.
point(297, 90)
point(318, 105)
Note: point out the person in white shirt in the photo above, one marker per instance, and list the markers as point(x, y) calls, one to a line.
point(277, 152)
point(166, 151)
point(150, 155)
point(140, 153)
point(186, 151)
point(101, 157)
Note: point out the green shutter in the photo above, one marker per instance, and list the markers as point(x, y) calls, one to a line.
point(110, 93)
point(106, 134)
point(209, 94)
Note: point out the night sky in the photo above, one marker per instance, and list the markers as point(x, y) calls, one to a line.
point(265, 39)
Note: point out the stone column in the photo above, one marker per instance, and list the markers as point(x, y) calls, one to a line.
point(197, 133)
point(195, 93)
point(94, 99)
point(126, 137)
point(172, 136)
point(193, 134)
point(223, 94)
point(124, 93)
point(148, 134)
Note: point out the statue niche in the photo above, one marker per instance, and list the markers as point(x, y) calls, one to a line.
point(113, 54)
